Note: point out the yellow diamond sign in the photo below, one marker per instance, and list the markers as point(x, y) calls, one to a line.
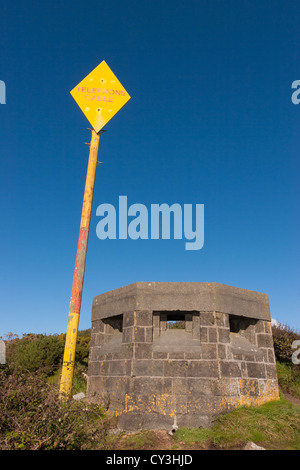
point(100, 96)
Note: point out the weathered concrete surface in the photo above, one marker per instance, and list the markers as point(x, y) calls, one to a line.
point(150, 376)
point(199, 296)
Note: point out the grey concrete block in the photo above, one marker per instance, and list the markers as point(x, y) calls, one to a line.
point(230, 369)
point(226, 387)
point(223, 335)
point(256, 370)
point(175, 368)
point(209, 351)
point(212, 335)
point(144, 318)
point(143, 351)
point(202, 369)
point(264, 340)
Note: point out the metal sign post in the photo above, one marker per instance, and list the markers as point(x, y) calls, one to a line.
point(76, 294)
point(100, 96)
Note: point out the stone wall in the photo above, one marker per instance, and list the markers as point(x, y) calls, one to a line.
point(150, 375)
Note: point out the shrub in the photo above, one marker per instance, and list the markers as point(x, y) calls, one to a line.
point(283, 337)
point(36, 352)
point(33, 418)
point(44, 352)
point(82, 349)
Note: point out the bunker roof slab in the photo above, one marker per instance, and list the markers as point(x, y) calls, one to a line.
point(182, 296)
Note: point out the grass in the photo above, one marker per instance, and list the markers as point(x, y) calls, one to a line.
point(289, 378)
point(136, 441)
point(193, 436)
point(274, 425)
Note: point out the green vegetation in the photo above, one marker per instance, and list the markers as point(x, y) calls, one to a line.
point(193, 436)
point(289, 378)
point(283, 337)
point(32, 416)
point(135, 441)
point(274, 425)
point(176, 325)
point(44, 354)
point(36, 352)
point(288, 373)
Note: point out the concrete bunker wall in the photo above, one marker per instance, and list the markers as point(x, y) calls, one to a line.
point(150, 375)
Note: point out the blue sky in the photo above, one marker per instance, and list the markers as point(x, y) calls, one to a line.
point(210, 121)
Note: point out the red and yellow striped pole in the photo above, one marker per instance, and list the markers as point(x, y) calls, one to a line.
point(76, 295)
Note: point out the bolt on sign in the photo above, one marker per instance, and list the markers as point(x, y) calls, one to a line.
point(100, 96)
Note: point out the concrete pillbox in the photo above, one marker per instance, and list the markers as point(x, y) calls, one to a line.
point(165, 352)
